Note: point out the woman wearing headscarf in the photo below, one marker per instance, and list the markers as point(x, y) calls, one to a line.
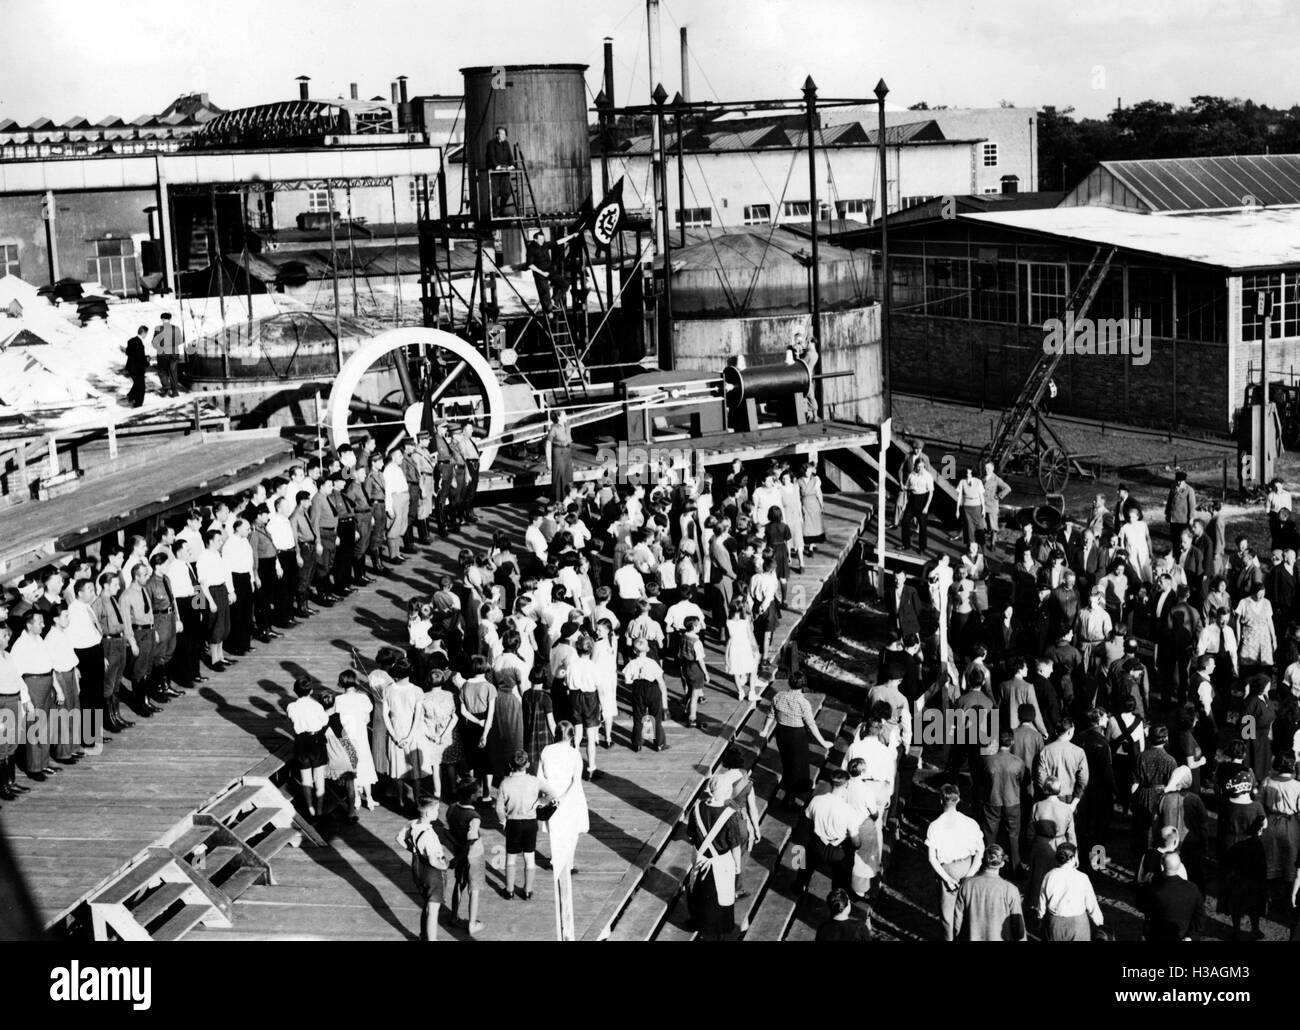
point(1243, 870)
point(716, 831)
point(1182, 809)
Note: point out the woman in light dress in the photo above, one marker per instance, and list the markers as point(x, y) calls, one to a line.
point(1256, 633)
point(354, 709)
point(604, 654)
point(436, 726)
point(811, 502)
point(742, 650)
point(401, 718)
point(560, 774)
point(792, 506)
point(1135, 536)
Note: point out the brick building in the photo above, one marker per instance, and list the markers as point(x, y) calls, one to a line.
point(1207, 258)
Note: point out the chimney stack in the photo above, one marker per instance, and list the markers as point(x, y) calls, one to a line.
point(302, 86)
point(393, 93)
point(401, 86)
point(352, 90)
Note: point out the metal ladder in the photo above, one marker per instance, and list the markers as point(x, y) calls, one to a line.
point(1016, 419)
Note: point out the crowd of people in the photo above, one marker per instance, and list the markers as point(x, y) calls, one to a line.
point(1095, 678)
point(509, 686)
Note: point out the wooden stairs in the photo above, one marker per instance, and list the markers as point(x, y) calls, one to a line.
point(196, 872)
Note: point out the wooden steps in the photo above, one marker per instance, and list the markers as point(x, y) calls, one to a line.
point(201, 866)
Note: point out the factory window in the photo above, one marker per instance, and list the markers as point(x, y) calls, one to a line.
point(1150, 296)
point(990, 155)
point(1270, 304)
point(318, 200)
point(916, 201)
point(993, 288)
point(857, 210)
point(114, 265)
point(758, 214)
point(947, 287)
point(794, 209)
point(413, 191)
point(9, 260)
point(696, 217)
point(1042, 291)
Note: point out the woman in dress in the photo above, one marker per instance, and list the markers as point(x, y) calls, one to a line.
point(811, 505)
point(354, 709)
point(1259, 710)
point(559, 442)
point(539, 717)
point(792, 506)
point(560, 774)
point(1256, 634)
point(341, 766)
point(742, 650)
point(1280, 796)
point(1181, 807)
point(507, 737)
point(765, 607)
point(437, 729)
point(1135, 537)
point(478, 699)
point(1243, 886)
point(1185, 745)
point(717, 832)
point(377, 683)
point(401, 713)
point(604, 655)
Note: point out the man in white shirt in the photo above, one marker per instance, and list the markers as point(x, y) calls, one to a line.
point(677, 614)
point(15, 705)
point(88, 644)
point(282, 534)
point(767, 496)
point(629, 587)
point(920, 494)
point(397, 499)
point(584, 701)
point(834, 837)
point(955, 843)
point(32, 658)
point(1066, 900)
point(649, 694)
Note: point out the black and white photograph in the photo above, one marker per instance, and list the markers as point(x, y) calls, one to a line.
point(594, 471)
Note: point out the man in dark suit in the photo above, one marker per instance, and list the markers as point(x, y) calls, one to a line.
point(1161, 606)
point(499, 159)
point(1184, 624)
point(904, 607)
point(1173, 906)
point(137, 363)
point(539, 263)
point(1064, 605)
point(1004, 776)
point(1092, 820)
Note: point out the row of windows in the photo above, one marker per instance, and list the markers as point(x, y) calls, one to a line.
point(1183, 305)
point(1270, 306)
point(761, 214)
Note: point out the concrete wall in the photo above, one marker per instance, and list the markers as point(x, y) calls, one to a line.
point(80, 218)
point(851, 342)
point(1183, 386)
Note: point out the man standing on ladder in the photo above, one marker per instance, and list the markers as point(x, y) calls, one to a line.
point(539, 263)
point(499, 160)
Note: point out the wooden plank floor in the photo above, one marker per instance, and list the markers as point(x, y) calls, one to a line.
point(82, 827)
point(183, 469)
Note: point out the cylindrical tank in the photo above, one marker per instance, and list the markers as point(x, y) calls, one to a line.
point(543, 108)
point(765, 382)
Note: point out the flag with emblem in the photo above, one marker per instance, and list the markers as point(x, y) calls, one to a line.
point(605, 219)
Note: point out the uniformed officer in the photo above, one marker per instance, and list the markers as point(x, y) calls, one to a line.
point(325, 520)
point(354, 493)
point(444, 453)
point(428, 866)
point(347, 532)
point(411, 470)
point(464, 442)
point(166, 624)
point(137, 617)
point(378, 509)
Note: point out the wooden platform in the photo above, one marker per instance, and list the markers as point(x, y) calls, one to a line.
point(179, 472)
point(81, 828)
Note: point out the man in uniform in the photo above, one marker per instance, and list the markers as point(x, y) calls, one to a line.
point(166, 625)
point(427, 474)
point(444, 454)
point(108, 617)
point(325, 520)
point(375, 491)
point(354, 493)
point(309, 549)
point(465, 443)
point(346, 522)
point(415, 499)
point(167, 341)
point(137, 617)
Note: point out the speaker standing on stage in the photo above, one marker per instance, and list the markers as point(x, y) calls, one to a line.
point(560, 441)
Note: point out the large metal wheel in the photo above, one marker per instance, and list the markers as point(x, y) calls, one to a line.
point(1053, 469)
point(462, 386)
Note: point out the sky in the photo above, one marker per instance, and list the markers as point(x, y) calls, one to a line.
point(95, 58)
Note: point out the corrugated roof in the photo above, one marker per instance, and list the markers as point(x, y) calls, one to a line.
point(111, 122)
point(75, 122)
point(846, 134)
point(746, 248)
point(1211, 183)
point(1231, 240)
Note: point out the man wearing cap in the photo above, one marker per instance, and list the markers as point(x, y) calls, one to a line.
point(427, 477)
point(954, 843)
point(1180, 507)
point(354, 493)
point(167, 341)
point(467, 446)
point(415, 499)
point(137, 617)
point(988, 906)
point(443, 460)
point(324, 514)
